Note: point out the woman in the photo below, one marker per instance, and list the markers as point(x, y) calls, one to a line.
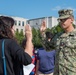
point(14, 54)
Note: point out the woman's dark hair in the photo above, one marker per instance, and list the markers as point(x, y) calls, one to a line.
point(6, 23)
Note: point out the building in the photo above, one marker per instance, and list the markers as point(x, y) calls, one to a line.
point(36, 23)
point(50, 22)
point(20, 24)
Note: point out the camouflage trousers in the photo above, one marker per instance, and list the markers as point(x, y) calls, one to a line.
point(65, 73)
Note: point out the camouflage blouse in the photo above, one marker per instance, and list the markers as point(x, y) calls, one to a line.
point(65, 46)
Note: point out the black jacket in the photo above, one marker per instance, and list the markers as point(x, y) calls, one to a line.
point(15, 57)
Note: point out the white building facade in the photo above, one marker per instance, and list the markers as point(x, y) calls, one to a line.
point(36, 23)
point(20, 24)
point(50, 22)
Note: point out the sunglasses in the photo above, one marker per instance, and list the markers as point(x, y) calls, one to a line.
point(62, 20)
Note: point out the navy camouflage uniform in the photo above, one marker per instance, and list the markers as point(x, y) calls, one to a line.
point(65, 46)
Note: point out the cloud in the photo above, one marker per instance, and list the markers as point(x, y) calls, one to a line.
point(56, 8)
point(59, 7)
point(74, 9)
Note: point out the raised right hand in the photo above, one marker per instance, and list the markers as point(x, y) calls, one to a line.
point(43, 27)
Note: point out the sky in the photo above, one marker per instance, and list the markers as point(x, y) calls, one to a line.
point(31, 9)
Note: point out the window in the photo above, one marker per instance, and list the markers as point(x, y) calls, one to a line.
point(21, 30)
point(19, 23)
point(15, 22)
point(17, 30)
point(23, 23)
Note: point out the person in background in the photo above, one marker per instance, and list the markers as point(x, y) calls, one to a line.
point(64, 44)
point(45, 59)
point(34, 61)
point(14, 54)
point(33, 57)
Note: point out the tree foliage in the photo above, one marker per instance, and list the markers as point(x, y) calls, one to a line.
point(36, 35)
point(19, 36)
point(36, 38)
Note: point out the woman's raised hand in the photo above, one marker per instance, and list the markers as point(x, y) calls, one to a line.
point(28, 32)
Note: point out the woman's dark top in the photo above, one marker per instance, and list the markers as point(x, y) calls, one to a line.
point(15, 57)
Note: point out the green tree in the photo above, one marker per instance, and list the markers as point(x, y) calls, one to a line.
point(36, 39)
point(19, 36)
